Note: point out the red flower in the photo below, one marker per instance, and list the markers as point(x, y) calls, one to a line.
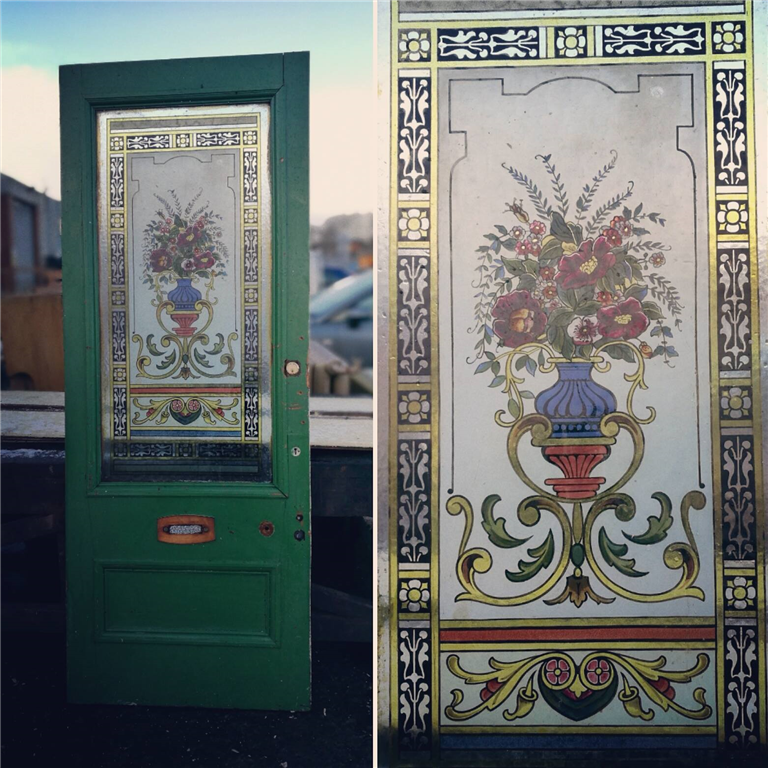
point(621, 225)
point(625, 320)
point(585, 266)
point(538, 228)
point(189, 236)
point(204, 260)
point(160, 260)
point(605, 298)
point(547, 273)
point(612, 236)
point(519, 318)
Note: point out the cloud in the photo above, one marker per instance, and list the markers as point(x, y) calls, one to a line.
point(342, 152)
point(342, 141)
point(29, 105)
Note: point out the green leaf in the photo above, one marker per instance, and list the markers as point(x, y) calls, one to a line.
point(520, 362)
point(526, 394)
point(531, 266)
point(652, 310)
point(619, 353)
point(201, 359)
point(636, 291)
point(657, 526)
point(497, 381)
point(152, 347)
point(560, 229)
point(513, 407)
point(576, 232)
point(551, 250)
point(483, 367)
point(513, 266)
point(568, 347)
point(588, 308)
point(218, 346)
point(614, 555)
point(495, 527)
point(560, 317)
point(542, 555)
point(168, 362)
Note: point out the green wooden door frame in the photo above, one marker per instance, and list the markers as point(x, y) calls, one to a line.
point(282, 82)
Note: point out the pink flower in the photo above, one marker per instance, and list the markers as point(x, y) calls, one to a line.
point(583, 330)
point(538, 228)
point(625, 320)
point(523, 247)
point(519, 318)
point(658, 259)
point(188, 265)
point(517, 232)
point(585, 266)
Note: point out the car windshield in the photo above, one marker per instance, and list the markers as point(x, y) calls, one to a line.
point(341, 294)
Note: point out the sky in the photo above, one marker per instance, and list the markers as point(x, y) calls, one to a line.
point(38, 37)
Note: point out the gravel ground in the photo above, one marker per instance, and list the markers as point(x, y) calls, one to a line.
point(40, 729)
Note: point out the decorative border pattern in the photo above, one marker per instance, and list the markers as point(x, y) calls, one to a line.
point(722, 43)
point(124, 446)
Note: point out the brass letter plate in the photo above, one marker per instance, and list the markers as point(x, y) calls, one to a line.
point(185, 529)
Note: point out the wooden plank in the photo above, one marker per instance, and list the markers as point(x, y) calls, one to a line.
point(335, 422)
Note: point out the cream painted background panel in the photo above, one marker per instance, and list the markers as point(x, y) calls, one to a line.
point(653, 117)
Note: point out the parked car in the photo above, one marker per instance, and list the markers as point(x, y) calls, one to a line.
point(341, 318)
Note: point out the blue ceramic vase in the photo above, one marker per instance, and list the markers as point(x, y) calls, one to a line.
point(575, 403)
point(184, 296)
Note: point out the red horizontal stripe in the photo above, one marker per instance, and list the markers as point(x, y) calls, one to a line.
point(185, 391)
point(543, 634)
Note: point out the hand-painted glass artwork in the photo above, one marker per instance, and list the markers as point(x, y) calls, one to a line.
point(184, 240)
point(575, 517)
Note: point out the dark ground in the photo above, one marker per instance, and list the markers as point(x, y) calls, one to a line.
point(40, 729)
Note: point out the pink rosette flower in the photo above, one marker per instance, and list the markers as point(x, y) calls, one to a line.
point(625, 320)
point(597, 671)
point(188, 265)
point(585, 266)
point(658, 259)
point(538, 228)
point(583, 330)
point(557, 671)
point(518, 232)
point(518, 318)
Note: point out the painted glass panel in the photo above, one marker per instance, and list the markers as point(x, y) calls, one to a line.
point(575, 519)
point(185, 251)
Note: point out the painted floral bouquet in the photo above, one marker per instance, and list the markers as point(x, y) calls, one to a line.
point(183, 243)
point(573, 285)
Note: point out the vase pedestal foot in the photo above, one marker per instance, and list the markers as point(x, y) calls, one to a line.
point(576, 463)
point(183, 321)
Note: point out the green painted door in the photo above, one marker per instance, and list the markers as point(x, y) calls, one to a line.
point(185, 236)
